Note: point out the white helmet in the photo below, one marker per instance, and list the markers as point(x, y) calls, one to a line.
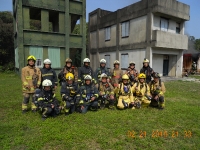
point(103, 61)
point(131, 62)
point(116, 62)
point(47, 61)
point(146, 60)
point(103, 75)
point(87, 77)
point(46, 82)
point(86, 60)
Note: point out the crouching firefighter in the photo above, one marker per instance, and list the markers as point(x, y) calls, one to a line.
point(125, 94)
point(47, 102)
point(88, 95)
point(106, 92)
point(31, 80)
point(141, 92)
point(69, 94)
point(157, 89)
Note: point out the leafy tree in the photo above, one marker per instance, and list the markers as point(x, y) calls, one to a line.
point(6, 40)
point(197, 44)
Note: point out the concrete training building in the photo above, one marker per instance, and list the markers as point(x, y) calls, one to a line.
point(152, 29)
point(43, 28)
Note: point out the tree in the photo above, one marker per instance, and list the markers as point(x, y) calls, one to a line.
point(6, 39)
point(197, 44)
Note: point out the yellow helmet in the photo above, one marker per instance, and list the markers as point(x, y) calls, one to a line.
point(146, 61)
point(31, 57)
point(125, 77)
point(69, 76)
point(142, 76)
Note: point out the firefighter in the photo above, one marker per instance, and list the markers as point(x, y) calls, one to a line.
point(48, 73)
point(85, 70)
point(31, 80)
point(68, 68)
point(47, 102)
point(157, 89)
point(125, 99)
point(132, 73)
point(116, 74)
point(106, 92)
point(69, 94)
point(102, 69)
point(147, 70)
point(141, 92)
point(88, 95)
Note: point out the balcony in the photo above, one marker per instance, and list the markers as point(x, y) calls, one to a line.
point(169, 40)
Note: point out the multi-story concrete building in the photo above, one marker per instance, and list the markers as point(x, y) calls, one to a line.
point(152, 29)
point(43, 28)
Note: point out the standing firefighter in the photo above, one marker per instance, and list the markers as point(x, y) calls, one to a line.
point(141, 92)
point(48, 73)
point(132, 73)
point(106, 92)
point(116, 73)
point(85, 70)
point(88, 95)
point(102, 69)
point(68, 68)
point(157, 89)
point(125, 94)
point(31, 80)
point(69, 94)
point(147, 70)
point(47, 102)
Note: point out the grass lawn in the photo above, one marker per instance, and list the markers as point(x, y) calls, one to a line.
point(176, 127)
point(195, 76)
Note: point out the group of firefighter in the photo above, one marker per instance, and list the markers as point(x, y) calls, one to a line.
point(83, 90)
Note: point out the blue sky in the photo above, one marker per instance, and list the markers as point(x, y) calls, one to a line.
point(192, 26)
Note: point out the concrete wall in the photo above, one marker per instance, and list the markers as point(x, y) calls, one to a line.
point(93, 20)
point(93, 37)
point(175, 60)
point(157, 63)
point(156, 22)
point(137, 32)
point(170, 7)
point(136, 55)
point(170, 40)
point(179, 64)
point(93, 62)
point(111, 42)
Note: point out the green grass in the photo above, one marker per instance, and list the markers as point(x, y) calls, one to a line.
point(195, 76)
point(104, 129)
